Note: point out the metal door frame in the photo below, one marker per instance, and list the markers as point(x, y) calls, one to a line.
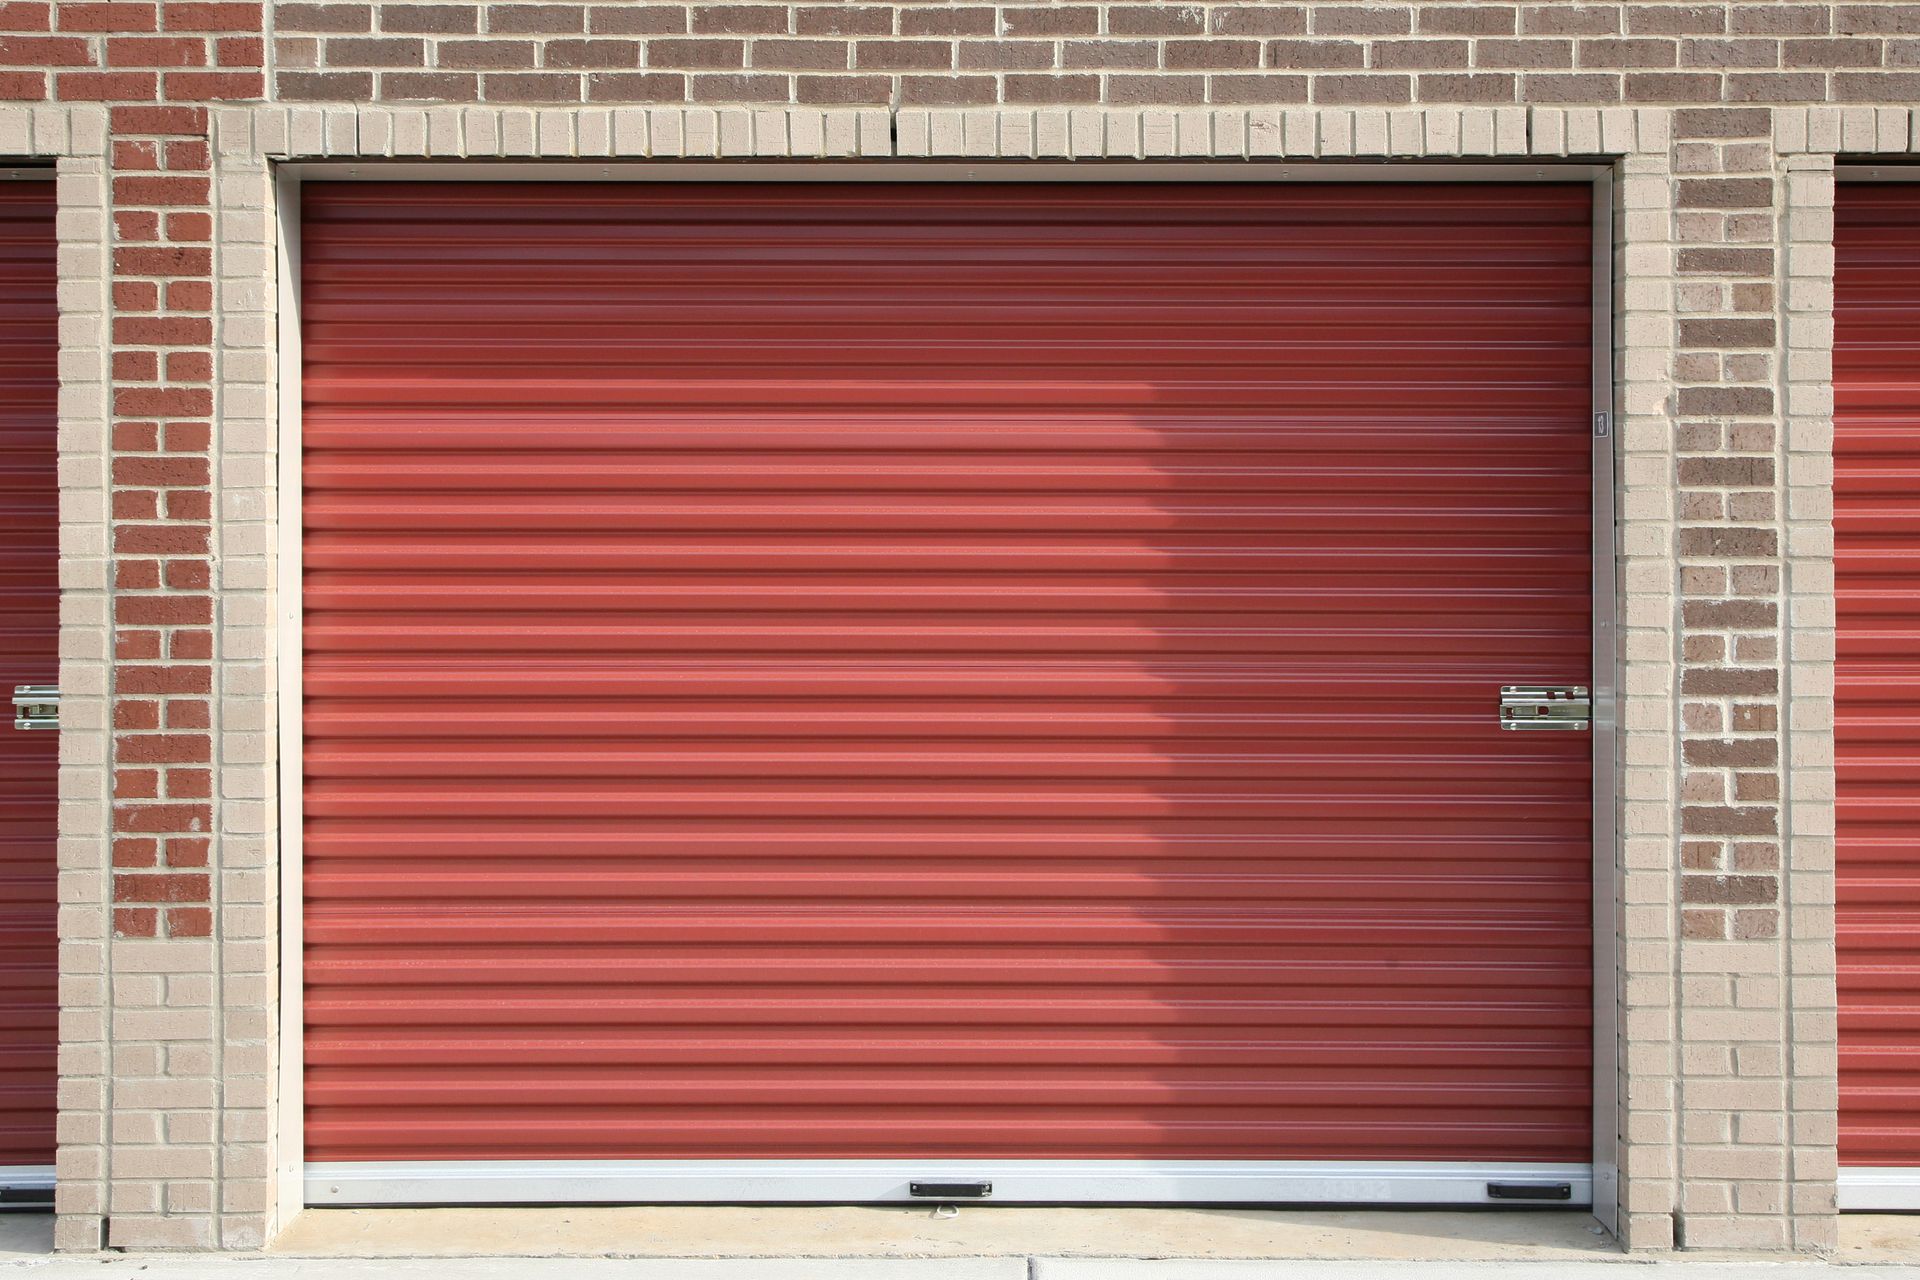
point(885, 1181)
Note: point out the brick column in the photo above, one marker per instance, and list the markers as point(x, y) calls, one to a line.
point(163, 1098)
point(1740, 1060)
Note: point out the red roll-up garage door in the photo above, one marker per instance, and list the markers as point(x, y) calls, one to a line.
point(1876, 377)
point(30, 655)
point(813, 685)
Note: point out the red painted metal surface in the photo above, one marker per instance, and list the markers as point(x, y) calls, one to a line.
point(1876, 374)
point(29, 654)
point(930, 670)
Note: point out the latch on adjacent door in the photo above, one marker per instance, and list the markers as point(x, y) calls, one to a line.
point(36, 706)
point(1534, 706)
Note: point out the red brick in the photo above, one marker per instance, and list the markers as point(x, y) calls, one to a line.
point(189, 922)
point(170, 120)
point(822, 20)
point(166, 748)
point(1146, 90)
point(112, 16)
point(136, 851)
point(215, 86)
point(738, 87)
point(26, 15)
point(531, 86)
point(105, 86)
point(1256, 88)
point(1259, 20)
point(188, 15)
point(1315, 55)
point(188, 851)
point(739, 19)
point(159, 472)
point(166, 402)
point(136, 922)
point(161, 887)
point(135, 366)
point(1060, 20)
point(163, 611)
point(167, 190)
point(190, 295)
point(45, 51)
point(137, 154)
point(1721, 820)
point(134, 295)
point(136, 575)
point(22, 86)
point(1362, 20)
point(189, 575)
point(188, 713)
point(1155, 20)
point(536, 19)
point(240, 51)
point(187, 437)
point(136, 504)
point(903, 55)
point(137, 226)
point(947, 91)
point(159, 260)
point(183, 227)
point(1213, 55)
point(163, 331)
point(1033, 89)
point(160, 540)
point(186, 154)
point(843, 90)
point(1352, 90)
point(157, 51)
point(960, 20)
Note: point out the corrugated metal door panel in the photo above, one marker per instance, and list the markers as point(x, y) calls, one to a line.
point(1876, 373)
point(29, 654)
point(932, 670)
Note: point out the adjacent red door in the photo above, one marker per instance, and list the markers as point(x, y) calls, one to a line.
point(1876, 374)
point(29, 654)
point(920, 670)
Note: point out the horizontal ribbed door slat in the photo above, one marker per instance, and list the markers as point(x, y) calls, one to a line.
point(29, 654)
point(1876, 374)
point(923, 670)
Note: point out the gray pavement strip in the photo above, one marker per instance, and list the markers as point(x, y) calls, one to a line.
point(210, 1267)
point(207, 1267)
point(1540, 1269)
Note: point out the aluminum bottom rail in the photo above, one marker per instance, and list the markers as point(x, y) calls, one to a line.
point(1886, 1189)
point(26, 1186)
point(888, 1182)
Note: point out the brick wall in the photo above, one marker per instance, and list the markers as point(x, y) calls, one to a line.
point(1128, 54)
point(1727, 1010)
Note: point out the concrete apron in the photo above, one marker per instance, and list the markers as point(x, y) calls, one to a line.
point(202, 1267)
point(915, 1243)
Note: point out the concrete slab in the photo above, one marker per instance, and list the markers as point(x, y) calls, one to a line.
point(204, 1267)
point(706, 1231)
point(25, 1235)
point(1879, 1237)
point(1111, 1269)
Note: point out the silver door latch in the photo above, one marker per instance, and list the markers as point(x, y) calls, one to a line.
point(36, 706)
point(1534, 706)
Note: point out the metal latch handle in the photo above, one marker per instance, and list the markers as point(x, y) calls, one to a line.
point(1554, 707)
point(36, 706)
